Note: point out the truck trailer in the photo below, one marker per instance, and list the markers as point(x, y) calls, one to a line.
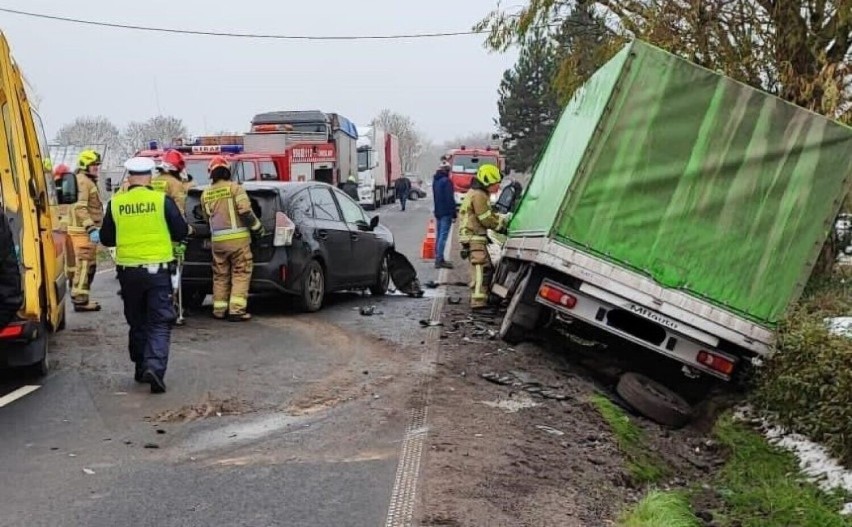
point(677, 212)
point(379, 166)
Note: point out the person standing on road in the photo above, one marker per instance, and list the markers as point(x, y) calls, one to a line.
point(476, 218)
point(402, 187)
point(141, 224)
point(232, 224)
point(169, 181)
point(351, 188)
point(445, 213)
point(84, 223)
point(11, 293)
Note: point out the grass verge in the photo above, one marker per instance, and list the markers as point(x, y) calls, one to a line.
point(661, 509)
point(761, 486)
point(643, 465)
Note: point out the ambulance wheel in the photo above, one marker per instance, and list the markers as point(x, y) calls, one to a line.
point(313, 287)
point(382, 279)
point(39, 348)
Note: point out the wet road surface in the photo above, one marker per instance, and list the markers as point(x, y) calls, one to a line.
point(291, 419)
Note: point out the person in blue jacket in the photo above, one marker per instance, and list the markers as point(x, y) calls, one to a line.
point(445, 213)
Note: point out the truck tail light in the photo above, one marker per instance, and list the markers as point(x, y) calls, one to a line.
point(284, 230)
point(557, 296)
point(715, 362)
point(12, 331)
point(283, 273)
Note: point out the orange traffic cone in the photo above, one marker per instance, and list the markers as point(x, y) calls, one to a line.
point(427, 250)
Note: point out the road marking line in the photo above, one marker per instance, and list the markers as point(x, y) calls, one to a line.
point(17, 394)
point(404, 494)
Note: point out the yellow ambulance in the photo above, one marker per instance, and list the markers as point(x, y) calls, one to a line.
point(30, 200)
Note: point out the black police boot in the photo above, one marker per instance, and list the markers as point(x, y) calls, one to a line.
point(156, 382)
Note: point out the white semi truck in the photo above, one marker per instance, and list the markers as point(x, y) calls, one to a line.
point(379, 166)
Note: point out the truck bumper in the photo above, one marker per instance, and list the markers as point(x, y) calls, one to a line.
point(638, 325)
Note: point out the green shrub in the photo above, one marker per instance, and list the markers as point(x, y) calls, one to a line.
point(807, 386)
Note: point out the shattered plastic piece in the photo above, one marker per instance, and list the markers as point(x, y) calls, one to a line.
point(430, 323)
point(548, 394)
point(89, 471)
point(454, 300)
point(840, 326)
point(496, 378)
point(152, 445)
point(550, 430)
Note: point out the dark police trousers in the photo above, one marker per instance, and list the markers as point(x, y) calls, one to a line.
point(150, 313)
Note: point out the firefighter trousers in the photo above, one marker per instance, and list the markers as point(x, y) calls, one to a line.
point(232, 267)
point(481, 271)
point(70, 261)
point(86, 264)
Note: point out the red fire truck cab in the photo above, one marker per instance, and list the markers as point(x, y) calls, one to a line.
point(464, 162)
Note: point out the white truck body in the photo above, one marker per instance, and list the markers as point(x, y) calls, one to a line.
point(372, 166)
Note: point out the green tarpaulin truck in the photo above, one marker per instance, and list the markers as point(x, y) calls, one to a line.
point(675, 209)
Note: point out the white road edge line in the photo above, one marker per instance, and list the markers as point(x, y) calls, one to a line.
point(23, 391)
point(404, 494)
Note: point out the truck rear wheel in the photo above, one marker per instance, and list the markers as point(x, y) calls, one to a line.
point(653, 400)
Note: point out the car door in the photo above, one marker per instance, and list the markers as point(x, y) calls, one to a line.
point(366, 247)
point(332, 234)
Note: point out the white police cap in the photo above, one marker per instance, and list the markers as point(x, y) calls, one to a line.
point(139, 166)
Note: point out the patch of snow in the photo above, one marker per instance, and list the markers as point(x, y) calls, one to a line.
point(815, 462)
point(841, 326)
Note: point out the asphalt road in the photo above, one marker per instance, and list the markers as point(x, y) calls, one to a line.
point(291, 419)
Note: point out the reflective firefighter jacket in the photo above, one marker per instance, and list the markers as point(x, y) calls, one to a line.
point(476, 217)
point(87, 213)
point(172, 187)
point(228, 208)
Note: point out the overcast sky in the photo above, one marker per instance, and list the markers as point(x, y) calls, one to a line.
point(448, 85)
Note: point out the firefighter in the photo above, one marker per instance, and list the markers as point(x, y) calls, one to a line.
point(142, 224)
point(84, 223)
point(64, 211)
point(232, 224)
point(170, 181)
point(476, 217)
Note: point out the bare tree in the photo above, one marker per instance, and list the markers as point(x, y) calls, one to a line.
point(410, 139)
point(162, 129)
point(87, 131)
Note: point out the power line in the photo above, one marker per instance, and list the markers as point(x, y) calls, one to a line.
point(238, 35)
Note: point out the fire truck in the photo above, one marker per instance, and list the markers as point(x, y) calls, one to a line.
point(312, 145)
point(464, 162)
point(199, 152)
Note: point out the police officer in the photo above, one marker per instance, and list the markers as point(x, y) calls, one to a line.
point(476, 217)
point(232, 223)
point(142, 224)
point(84, 222)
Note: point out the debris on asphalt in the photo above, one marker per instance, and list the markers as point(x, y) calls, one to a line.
point(161, 431)
point(550, 430)
point(88, 472)
point(431, 284)
point(496, 378)
point(549, 394)
point(368, 311)
point(513, 405)
point(454, 300)
point(152, 445)
point(72, 455)
point(430, 323)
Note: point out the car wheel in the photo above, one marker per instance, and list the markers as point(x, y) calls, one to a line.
point(653, 400)
point(382, 279)
point(313, 287)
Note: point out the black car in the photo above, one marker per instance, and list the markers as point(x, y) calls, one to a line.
point(318, 241)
